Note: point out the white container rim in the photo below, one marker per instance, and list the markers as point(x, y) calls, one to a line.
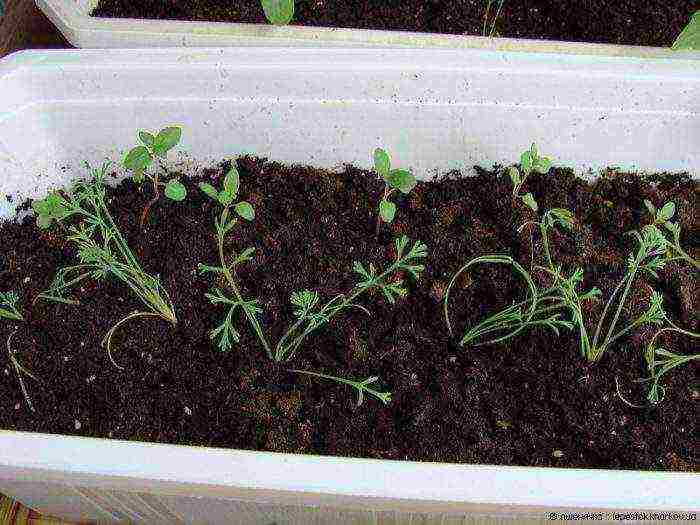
point(22, 454)
point(73, 19)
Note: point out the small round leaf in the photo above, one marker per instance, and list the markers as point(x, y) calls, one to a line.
point(166, 140)
point(224, 198)
point(382, 163)
point(387, 210)
point(278, 12)
point(232, 182)
point(667, 212)
point(245, 210)
point(174, 190)
point(147, 138)
point(138, 159)
point(209, 190)
point(402, 180)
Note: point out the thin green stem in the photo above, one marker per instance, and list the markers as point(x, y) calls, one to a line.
point(232, 283)
point(495, 259)
point(360, 386)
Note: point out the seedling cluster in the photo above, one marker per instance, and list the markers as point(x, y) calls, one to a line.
point(103, 253)
point(102, 250)
point(560, 304)
point(309, 312)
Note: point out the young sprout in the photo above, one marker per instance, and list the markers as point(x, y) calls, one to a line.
point(361, 386)
point(20, 371)
point(661, 361)
point(540, 308)
point(394, 179)
point(140, 158)
point(662, 220)
point(225, 334)
point(9, 310)
point(310, 314)
point(489, 3)
point(8, 306)
point(102, 250)
point(310, 318)
point(278, 12)
point(530, 161)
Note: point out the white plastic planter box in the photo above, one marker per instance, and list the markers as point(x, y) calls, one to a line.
point(72, 17)
point(440, 109)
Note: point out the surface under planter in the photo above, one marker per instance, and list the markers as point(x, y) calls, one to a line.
point(83, 30)
point(441, 110)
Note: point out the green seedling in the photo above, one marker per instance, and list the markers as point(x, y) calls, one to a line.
point(102, 250)
point(154, 148)
point(361, 386)
point(530, 161)
point(307, 308)
point(689, 39)
point(8, 306)
point(648, 258)
point(20, 371)
point(9, 310)
point(490, 4)
point(278, 12)
point(541, 307)
point(670, 231)
point(226, 334)
point(661, 361)
point(394, 179)
point(310, 317)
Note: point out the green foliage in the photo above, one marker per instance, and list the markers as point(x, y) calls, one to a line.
point(689, 39)
point(487, 17)
point(152, 149)
point(660, 362)
point(308, 310)
point(361, 386)
point(225, 334)
point(8, 306)
point(175, 190)
point(530, 161)
point(310, 316)
point(394, 179)
point(20, 371)
point(669, 231)
point(102, 250)
point(49, 210)
point(540, 308)
point(546, 307)
point(278, 12)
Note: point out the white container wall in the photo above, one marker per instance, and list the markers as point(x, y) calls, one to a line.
point(435, 110)
point(72, 17)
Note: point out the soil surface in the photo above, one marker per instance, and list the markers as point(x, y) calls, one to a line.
point(530, 401)
point(633, 22)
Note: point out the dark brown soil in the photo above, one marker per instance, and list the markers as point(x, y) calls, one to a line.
point(634, 22)
point(531, 401)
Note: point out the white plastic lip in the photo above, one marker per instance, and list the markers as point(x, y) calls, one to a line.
point(73, 80)
point(73, 20)
point(474, 484)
